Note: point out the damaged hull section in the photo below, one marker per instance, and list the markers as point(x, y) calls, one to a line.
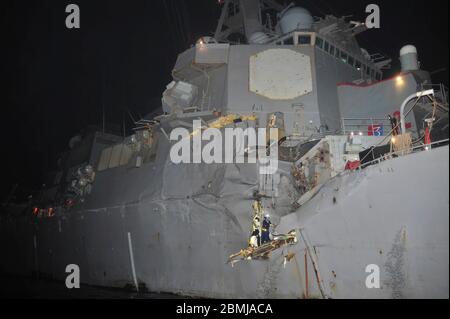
point(181, 245)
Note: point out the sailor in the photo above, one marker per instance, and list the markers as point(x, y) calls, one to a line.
point(265, 238)
point(395, 121)
point(255, 239)
point(256, 223)
point(257, 227)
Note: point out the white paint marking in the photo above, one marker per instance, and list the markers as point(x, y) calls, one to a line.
point(130, 249)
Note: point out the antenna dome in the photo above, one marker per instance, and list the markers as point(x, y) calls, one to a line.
point(296, 18)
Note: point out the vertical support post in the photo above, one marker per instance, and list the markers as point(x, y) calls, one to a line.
point(314, 264)
point(133, 269)
point(306, 274)
point(223, 16)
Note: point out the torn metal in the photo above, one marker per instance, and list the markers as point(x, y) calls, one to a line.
point(263, 251)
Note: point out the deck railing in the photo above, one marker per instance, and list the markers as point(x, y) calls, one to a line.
point(366, 126)
point(413, 149)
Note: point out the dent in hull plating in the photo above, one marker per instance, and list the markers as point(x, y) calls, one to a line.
point(136, 218)
point(181, 245)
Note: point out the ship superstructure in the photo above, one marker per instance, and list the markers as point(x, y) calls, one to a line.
point(359, 179)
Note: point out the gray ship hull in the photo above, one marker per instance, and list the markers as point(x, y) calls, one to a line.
point(180, 244)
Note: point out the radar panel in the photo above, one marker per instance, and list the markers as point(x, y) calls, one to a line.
point(280, 74)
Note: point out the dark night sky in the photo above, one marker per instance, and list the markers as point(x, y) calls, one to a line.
point(56, 78)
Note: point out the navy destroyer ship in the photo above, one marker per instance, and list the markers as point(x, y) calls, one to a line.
point(358, 205)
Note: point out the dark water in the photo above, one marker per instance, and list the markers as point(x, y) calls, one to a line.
point(12, 287)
